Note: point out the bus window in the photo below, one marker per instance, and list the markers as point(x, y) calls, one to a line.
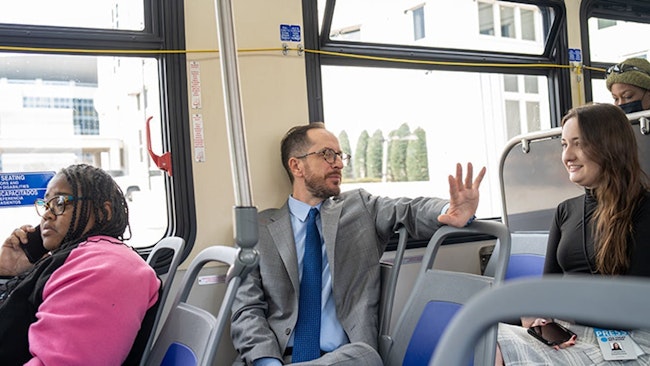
point(406, 136)
point(77, 85)
point(419, 100)
point(86, 110)
point(610, 42)
point(609, 32)
point(486, 24)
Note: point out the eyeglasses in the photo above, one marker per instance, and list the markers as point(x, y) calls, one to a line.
point(621, 68)
point(329, 155)
point(56, 205)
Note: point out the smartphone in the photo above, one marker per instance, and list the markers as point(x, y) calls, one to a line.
point(34, 249)
point(551, 334)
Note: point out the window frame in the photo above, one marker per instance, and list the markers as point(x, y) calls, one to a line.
point(555, 52)
point(164, 29)
point(608, 9)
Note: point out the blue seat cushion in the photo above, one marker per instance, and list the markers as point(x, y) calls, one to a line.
point(179, 355)
point(432, 323)
point(525, 265)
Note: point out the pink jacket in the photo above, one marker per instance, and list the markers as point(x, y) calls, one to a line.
point(93, 306)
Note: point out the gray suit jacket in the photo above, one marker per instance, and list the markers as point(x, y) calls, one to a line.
point(356, 227)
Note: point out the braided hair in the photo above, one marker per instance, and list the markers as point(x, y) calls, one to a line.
point(93, 188)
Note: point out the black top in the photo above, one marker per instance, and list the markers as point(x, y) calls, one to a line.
point(571, 247)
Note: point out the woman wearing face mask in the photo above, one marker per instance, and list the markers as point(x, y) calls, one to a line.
point(629, 83)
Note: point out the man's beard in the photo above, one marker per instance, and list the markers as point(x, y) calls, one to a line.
point(318, 188)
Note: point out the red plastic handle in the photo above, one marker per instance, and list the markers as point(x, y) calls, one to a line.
point(164, 161)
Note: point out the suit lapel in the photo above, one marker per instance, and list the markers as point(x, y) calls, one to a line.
point(282, 234)
point(330, 213)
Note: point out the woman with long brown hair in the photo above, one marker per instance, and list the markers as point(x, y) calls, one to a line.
point(606, 230)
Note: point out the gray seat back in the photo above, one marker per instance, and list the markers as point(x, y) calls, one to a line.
point(390, 285)
point(527, 255)
point(533, 180)
point(529, 297)
point(172, 245)
point(189, 332)
point(436, 296)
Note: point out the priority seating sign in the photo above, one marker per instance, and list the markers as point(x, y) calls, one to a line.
point(22, 189)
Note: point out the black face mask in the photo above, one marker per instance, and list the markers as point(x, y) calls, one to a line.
point(632, 107)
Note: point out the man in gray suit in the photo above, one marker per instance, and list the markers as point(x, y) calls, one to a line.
point(355, 227)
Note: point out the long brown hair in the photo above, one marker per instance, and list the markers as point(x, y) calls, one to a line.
point(608, 139)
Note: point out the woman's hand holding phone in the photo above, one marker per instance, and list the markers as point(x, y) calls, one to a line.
point(529, 321)
point(13, 259)
point(552, 334)
point(34, 249)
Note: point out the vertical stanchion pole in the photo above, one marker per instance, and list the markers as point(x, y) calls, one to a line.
point(245, 215)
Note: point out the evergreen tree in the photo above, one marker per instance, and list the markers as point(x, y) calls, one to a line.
point(397, 153)
point(417, 163)
point(375, 155)
point(360, 169)
point(344, 141)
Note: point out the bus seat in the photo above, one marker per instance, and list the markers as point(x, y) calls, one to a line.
point(165, 256)
point(436, 297)
point(527, 255)
point(190, 334)
point(167, 246)
point(529, 296)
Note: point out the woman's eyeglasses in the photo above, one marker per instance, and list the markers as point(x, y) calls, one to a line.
point(621, 68)
point(56, 205)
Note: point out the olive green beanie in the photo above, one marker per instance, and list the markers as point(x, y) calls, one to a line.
point(636, 78)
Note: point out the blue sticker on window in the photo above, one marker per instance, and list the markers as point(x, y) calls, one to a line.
point(575, 55)
point(290, 33)
point(285, 32)
point(295, 33)
point(22, 189)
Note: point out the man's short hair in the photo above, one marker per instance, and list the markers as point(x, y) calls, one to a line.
point(295, 142)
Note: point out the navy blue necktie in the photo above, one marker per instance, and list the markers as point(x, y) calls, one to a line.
point(306, 344)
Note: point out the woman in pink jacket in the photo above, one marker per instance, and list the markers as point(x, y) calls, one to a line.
point(86, 299)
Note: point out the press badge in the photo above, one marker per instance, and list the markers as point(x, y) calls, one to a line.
point(617, 345)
